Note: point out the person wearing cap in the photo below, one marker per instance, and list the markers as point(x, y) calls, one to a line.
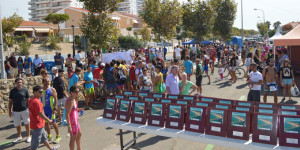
point(58, 60)
point(53, 75)
point(97, 76)
point(59, 86)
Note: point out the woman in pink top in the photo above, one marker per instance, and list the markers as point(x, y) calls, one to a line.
point(72, 119)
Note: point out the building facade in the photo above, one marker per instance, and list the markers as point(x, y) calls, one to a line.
point(128, 6)
point(39, 9)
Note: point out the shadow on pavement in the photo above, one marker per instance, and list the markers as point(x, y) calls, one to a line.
point(7, 127)
point(224, 84)
point(151, 141)
point(241, 86)
point(126, 132)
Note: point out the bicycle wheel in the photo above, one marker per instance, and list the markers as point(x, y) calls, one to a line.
point(226, 73)
point(240, 73)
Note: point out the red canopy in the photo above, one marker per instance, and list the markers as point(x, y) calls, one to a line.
point(292, 38)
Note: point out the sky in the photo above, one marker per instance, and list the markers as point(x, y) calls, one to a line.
point(284, 11)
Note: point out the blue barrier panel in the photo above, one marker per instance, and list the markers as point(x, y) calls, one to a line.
point(48, 66)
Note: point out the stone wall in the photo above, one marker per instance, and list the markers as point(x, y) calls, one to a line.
point(28, 82)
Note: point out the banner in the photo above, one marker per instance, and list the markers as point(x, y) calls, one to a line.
point(108, 57)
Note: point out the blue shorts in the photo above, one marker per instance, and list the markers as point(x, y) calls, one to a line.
point(110, 86)
point(205, 68)
point(48, 114)
point(269, 85)
point(287, 81)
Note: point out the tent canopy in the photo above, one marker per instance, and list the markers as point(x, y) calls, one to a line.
point(276, 35)
point(193, 41)
point(206, 42)
point(237, 40)
point(292, 38)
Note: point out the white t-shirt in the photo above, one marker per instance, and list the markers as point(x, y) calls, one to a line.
point(78, 57)
point(221, 70)
point(177, 52)
point(194, 49)
point(256, 77)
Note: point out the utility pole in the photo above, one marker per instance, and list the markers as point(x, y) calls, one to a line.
point(3, 74)
point(242, 25)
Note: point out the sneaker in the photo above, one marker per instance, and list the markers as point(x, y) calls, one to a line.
point(49, 137)
point(59, 123)
point(58, 138)
point(282, 101)
point(17, 140)
point(55, 147)
point(28, 139)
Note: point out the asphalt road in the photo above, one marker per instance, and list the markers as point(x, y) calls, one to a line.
point(101, 138)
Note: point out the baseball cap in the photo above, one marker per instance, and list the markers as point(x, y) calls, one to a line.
point(102, 64)
point(56, 52)
point(54, 68)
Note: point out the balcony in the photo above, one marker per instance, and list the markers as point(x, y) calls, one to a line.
point(61, 1)
point(32, 8)
point(42, 1)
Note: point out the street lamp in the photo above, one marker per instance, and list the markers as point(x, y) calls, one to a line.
point(264, 21)
point(73, 41)
point(242, 25)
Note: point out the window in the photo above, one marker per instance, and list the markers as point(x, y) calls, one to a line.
point(128, 21)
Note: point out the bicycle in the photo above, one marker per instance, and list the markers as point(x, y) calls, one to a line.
point(240, 72)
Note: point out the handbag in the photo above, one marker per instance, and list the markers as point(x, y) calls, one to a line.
point(294, 90)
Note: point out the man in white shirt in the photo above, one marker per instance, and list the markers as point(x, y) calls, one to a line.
point(177, 53)
point(78, 57)
point(37, 63)
point(254, 80)
point(172, 81)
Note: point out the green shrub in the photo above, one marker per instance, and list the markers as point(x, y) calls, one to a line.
point(129, 42)
point(24, 47)
point(53, 41)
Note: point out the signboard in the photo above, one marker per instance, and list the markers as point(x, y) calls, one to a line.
point(133, 98)
point(244, 103)
point(264, 128)
point(143, 94)
point(139, 112)
point(129, 93)
point(195, 120)
point(188, 97)
point(175, 115)
point(266, 105)
point(170, 96)
point(204, 104)
point(156, 115)
point(110, 108)
point(216, 122)
point(124, 109)
point(289, 131)
point(238, 124)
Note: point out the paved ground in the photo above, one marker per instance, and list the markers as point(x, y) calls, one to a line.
point(102, 138)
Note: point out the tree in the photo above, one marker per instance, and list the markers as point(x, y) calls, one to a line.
point(145, 34)
point(129, 42)
point(225, 15)
point(57, 19)
point(162, 17)
point(129, 29)
point(197, 18)
point(276, 24)
point(97, 26)
point(8, 28)
point(261, 28)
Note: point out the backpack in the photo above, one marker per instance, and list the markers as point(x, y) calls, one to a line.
point(109, 78)
point(121, 78)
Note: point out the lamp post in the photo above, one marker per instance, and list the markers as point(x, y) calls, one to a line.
point(264, 22)
point(73, 41)
point(242, 25)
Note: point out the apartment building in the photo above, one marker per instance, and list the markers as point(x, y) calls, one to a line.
point(39, 9)
point(128, 6)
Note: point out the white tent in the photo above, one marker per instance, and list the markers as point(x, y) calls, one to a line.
point(277, 34)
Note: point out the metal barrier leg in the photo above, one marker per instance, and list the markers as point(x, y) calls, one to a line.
point(134, 137)
point(121, 139)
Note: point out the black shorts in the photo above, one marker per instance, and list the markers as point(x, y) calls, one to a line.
point(254, 96)
point(199, 80)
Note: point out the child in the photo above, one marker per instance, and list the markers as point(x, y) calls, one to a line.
point(221, 70)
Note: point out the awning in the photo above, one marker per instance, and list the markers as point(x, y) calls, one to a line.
point(134, 21)
point(24, 29)
point(42, 30)
point(115, 18)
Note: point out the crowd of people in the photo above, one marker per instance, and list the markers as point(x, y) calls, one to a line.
point(148, 71)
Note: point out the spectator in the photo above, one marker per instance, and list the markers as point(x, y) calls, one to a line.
point(270, 76)
point(38, 119)
point(69, 61)
point(151, 56)
point(59, 85)
point(177, 53)
point(98, 75)
point(18, 98)
point(165, 52)
point(286, 79)
point(172, 82)
point(78, 57)
point(62, 61)
point(109, 79)
point(27, 65)
point(72, 119)
point(254, 80)
point(13, 65)
point(145, 81)
point(185, 86)
point(53, 75)
point(132, 77)
point(44, 73)
point(20, 66)
point(74, 79)
point(89, 88)
point(188, 66)
point(205, 65)
point(199, 73)
point(58, 60)
point(37, 63)
point(158, 80)
point(120, 75)
point(283, 57)
point(7, 70)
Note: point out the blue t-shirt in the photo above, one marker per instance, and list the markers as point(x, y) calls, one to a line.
point(165, 50)
point(57, 62)
point(88, 76)
point(26, 62)
point(20, 65)
point(93, 67)
point(188, 66)
point(74, 79)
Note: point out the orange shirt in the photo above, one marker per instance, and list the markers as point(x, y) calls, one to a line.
point(35, 108)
